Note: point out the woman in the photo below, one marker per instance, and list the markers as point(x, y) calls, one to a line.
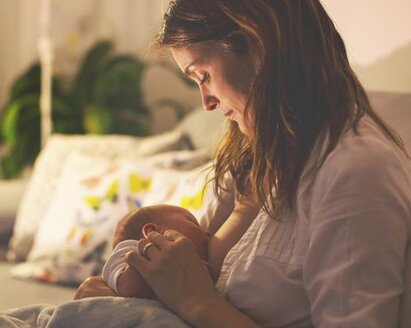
point(321, 229)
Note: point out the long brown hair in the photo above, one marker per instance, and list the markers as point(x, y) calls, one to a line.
point(304, 90)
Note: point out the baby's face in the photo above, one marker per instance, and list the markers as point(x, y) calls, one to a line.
point(181, 220)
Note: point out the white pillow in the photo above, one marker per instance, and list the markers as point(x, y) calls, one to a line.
point(189, 189)
point(205, 129)
point(76, 234)
point(91, 197)
point(47, 170)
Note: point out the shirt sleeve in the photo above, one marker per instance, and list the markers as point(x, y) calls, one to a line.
point(353, 272)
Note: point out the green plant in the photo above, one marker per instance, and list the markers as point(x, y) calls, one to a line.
point(105, 97)
point(20, 120)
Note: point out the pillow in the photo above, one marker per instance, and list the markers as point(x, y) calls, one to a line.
point(47, 170)
point(189, 189)
point(91, 196)
point(75, 237)
point(204, 129)
point(395, 108)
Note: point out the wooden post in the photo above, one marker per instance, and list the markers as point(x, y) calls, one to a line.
point(46, 60)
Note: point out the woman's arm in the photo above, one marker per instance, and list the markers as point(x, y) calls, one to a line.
point(174, 271)
point(230, 233)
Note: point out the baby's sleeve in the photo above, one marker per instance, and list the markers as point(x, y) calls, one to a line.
point(116, 263)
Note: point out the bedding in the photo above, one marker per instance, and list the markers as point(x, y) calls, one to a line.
point(108, 312)
point(17, 292)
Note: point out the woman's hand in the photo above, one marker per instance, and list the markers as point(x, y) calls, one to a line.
point(93, 287)
point(174, 271)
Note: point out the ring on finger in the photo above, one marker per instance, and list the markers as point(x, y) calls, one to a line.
point(146, 247)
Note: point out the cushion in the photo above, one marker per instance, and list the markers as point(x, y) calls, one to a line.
point(75, 236)
point(189, 189)
point(203, 128)
point(395, 109)
point(48, 166)
point(91, 196)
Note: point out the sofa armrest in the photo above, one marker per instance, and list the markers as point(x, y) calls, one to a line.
point(11, 192)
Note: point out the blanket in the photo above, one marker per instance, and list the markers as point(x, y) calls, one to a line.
point(96, 312)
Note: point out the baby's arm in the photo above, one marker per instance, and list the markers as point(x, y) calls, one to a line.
point(131, 284)
point(93, 287)
point(116, 266)
point(119, 276)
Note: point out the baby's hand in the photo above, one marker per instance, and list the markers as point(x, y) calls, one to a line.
point(93, 287)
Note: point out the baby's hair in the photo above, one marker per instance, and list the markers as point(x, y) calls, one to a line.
point(131, 226)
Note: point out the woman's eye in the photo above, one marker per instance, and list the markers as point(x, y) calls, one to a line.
point(204, 79)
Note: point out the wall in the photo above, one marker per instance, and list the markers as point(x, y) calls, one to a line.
point(18, 36)
point(74, 27)
point(378, 37)
point(377, 33)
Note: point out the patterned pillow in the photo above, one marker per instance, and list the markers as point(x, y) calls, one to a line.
point(91, 196)
point(189, 189)
point(75, 236)
point(48, 168)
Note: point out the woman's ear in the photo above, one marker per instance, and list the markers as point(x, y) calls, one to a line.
point(150, 227)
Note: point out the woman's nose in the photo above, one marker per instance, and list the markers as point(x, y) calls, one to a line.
point(208, 101)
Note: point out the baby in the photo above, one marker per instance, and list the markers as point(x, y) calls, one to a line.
point(124, 279)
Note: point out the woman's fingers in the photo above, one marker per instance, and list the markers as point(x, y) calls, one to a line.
point(162, 239)
point(147, 248)
point(172, 235)
point(151, 247)
point(173, 270)
point(156, 241)
point(156, 238)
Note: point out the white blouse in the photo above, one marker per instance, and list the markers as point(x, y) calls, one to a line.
point(343, 257)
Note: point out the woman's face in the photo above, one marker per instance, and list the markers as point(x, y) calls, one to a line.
point(223, 79)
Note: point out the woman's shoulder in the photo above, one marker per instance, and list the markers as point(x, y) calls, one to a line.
point(366, 151)
point(365, 171)
point(364, 161)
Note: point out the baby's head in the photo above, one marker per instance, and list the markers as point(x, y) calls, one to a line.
point(139, 223)
point(127, 281)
